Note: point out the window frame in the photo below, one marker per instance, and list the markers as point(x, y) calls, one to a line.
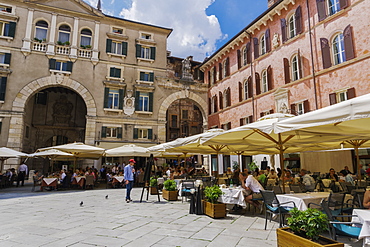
point(329, 6)
point(64, 32)
point(144, 102)
point(42, 28)
point(86, 36)
point(292, 29)
point(295, 72)
point(263, 45)
point(264, 81)
point(245, 56)
point(113, 97)
point(4, 28)
point(338, 56)
point(246, 90)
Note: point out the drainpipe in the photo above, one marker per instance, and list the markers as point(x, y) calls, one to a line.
point(251, 64)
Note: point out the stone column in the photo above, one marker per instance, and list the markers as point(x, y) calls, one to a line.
point(90, 131)
point(51, 44)
point(26, 48)
point(74, 46)
point(15, 137)
point(95, 51)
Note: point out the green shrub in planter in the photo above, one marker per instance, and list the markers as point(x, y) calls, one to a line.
point(212, 193)
point(153, 182)
point(170, 185)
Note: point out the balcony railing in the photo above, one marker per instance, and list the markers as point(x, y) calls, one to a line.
point(86, 53)
point(37, 46)
point(62, 50)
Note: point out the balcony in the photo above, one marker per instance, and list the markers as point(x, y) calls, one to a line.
point(37, 46)
point(85, 53)
point(62, 50)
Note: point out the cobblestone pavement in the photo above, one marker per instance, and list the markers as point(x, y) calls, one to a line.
point(55, 218)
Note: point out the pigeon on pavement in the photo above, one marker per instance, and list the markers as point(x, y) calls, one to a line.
point(81, 203)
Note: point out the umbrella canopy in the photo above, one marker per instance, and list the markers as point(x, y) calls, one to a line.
point(6, 153)
point(51, 153)
point(127, 150)
point(78, 149)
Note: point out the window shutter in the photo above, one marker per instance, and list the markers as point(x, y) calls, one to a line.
point(325, 52)
point(151, 76)
point(124, 48)
point(298, 20)
point(117, 73)
point(214, 74)
point(343, 4)
point(250, 87)
point(258, 84)
point(150, 134)
point(300, 69)
point(106, 97)
point(215, 104)
point(69, 66)
point(269, 78)
point(250, 119)
point(220, 71)
point(293, 110)
point(103, 132)
point(220, 98)
point(283, 30)
point(240, 92)
point(120, 98)
point(227, 64)
point(108, 47)
point(142, 76)
point(138, 50)
point(286, 70)
point(321, 9)
point(112, 71)
point(348, 43)
point(7, 58)
point(255, 48)
point(262, 114)
point(249, 53)
point(12, 26)
point(209, 106)
point(52, 63)
point(228, 98)
point(333, 98)
point(268, 40)
point(351, 93)
point(271, 111)
point(3, 88)
point(306, 106)
point(119, 132)
point(241, 121)
point(229, 125)
point(152, 53)
point(239, 59)
point(151, 101)
point(136, 133)
point(137, 100)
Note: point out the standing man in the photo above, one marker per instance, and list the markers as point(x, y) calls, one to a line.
point(22, 172)
point(129, 178)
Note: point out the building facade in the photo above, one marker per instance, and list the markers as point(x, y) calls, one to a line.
point(71, 73)
point(297, 56)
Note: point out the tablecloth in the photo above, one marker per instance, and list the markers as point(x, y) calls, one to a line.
point(363, 217)
point(49, 181)
point(302, 200)
point(119, 178)
point(232, 196)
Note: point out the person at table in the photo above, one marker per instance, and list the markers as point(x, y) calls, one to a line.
point(37, 178)
point(267, 171)
point(347, 177)
point(332, 175)
point(362, 172)
point(129, 178)
point(279, 172)
point(272, 174)
point(346, 168)
point(252, 188)
point(288, 177)
point(62, 175)
point(262, 177)
point(307, 180)
point(366, 202)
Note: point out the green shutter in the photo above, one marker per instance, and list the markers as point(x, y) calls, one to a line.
point(151, 76)
point(150, 134)
point(136, 133)
point(69, 66)
point(152, 53)
point(1, 125)
point(11, 32)
point(106, 97)
point(103, 132)
point(151, 101)
point(52, 63)
point(142, 74)
point(7, 58)
point(138, 50)
point(120, 99)
point(3, 88)
point(109, 46)
point(117, 73)
point(124, 48)
point(119, 132)
point(112, 71)
point(137, 99)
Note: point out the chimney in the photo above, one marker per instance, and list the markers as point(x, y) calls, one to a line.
point(271, 2)
point(99, 5)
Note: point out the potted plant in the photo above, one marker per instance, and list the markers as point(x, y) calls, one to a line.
point(305, 228)
point(170, 192)
point(60, 42)
point(153, 184)
point(211, 206)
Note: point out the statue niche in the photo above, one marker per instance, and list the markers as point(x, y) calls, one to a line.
point(62, 110)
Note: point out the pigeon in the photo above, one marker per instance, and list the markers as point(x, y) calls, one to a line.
point(106, 197)
point(81, 203)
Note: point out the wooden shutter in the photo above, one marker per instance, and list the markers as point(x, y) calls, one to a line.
point(151, 76)
point(283, 30)
point(333, 98)
point(239, 59)
point(3, 88)
point(7, 58)
point(240, 92)
point(52, 63)
point(136, 133)
point(250, 87)
point(142, 74)
point(348, 43)
point(325, 52)
point(214, 74)
point(112, 71)
point(286, 70)
point(249, 52)
point(138, 50)
point(150, 134)
point(343, 4)
point(269, 78)
point(267, 40)
point(262, 114)
point(106, 97)
point(220, 71)
point(209, 106)
point(151, 95)
point(220, 98)
point(12, 26)
point(293, 109)
point(227, 64)
point(321, 9)
point(120, 98)
point(298, 20)
point(229, 125)
point(69, 66)
point(228, 97)
point(124, 48)
point(258, 84)
point(103, 132)
point(300, 69)
point(271, 111)
point(119, 132)
point(255, 48)
point(250, 119)
point(241, 121)
point(152, 53)
point(108, 47)
point(215, 109)
point(137, 101)
point(209, 78)
point(306, 106)
point(351, 93)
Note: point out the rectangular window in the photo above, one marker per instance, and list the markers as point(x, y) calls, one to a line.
point(333, 6)
point(144, 102)
point(341, 96)
point(300, 108)
point(5, 9)
point(111, 132)
point(116, 47)
point(115, 72)
point(145, 52)
point(61, 66)
point(3, 82)
point(143, 133)
point(146, 76)
point(185, 114)
point(174, 121)
point(113, 99)
point(117, 30)
point(41, 33)
point(146, 36)
point(4, 28)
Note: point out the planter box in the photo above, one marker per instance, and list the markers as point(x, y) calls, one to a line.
point(169, 195)
point(154, 191)
point(289, 239)
point(213, 210)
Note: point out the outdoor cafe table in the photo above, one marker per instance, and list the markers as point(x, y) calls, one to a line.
point(232, 196)
point(117, 179)
point(302, 200)
point(49, 182)
point(363, 217)
point(79, 180)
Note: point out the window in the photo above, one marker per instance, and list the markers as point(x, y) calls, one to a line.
point(246, 120)
point(65, 66)
point(41, 30)
point(333, 6)
point(116, 47)
point(263, 45)
point(117, 30)
point(113, 98)
point(227, 98)
point(295, 68)
point(5, 58)
point(7, 29)
point(146, 76)
point(145, 52)
point(342, 95)
point(144, 101)
point(330, 7)
point(245, 55)
point(291, 27)
point(226, 126)
point(185, 114)
point(115, 72)
point(224, 68)
point(64, 34)
point(3, 81)
point(86, 35)
point(174, 121)
point(146, 36)
point(246, 90)
point(214, 104)
point(111, 132)
point(211, 76)
point(338, 49)
point(5, 9)
point(143, 133)
point(264, 84)
point(300, 108)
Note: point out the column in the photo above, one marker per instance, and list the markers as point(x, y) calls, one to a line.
point(74, 46)
point(95, 51)
point(26, 47)
point(51, 44)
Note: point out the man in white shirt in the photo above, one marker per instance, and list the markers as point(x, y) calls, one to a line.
point(252, 187)
point(307, 180)
point(22, 173)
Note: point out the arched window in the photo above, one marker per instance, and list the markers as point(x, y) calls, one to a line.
point(214, 104)
point(291, 27)
point(246, 90)
point(224, 69)
point(245, 56)
point(333, 6)
point(264, 82)
point(86, 35)
point(211, 76)
point(338, 49)
point(262, 45)
point(64, 33)
point(295, 68)
point(225, 98)
point(41, 31)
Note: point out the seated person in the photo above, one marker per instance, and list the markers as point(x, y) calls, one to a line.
point(272, 174)
point(262, 177)
point(288, 177)
point(307, 180)
point(37, 178)
point(332, 175)
point(346, 168)
point(252, 188)
point(366, 202)
point(347, 177)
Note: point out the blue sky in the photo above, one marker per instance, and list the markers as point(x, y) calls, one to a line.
point(200, 27)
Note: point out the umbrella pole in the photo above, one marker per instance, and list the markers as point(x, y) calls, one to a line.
point(281, 154)
point(358, 162)
point(2, 165)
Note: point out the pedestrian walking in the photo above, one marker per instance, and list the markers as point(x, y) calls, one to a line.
point(129, 171)
point(22, 172)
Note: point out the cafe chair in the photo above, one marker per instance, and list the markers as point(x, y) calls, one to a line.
point(296, 188)
point(89, 182)
point(277, 189)
point(186, 186)
point(273, 206)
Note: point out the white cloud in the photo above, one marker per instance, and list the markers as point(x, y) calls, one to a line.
point(194, 33)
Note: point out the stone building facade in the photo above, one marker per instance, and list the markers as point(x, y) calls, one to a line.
point(297, 56)
point(71, 73)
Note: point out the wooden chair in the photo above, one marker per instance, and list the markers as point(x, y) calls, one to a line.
point(89, 182)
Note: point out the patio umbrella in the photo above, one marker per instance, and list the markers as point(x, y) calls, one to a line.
point(6, 153)
point(127, 150)
point(52, 154)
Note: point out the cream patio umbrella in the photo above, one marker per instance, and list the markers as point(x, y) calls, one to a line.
point(6, 153)
point(52, 154)
point(127, 150)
